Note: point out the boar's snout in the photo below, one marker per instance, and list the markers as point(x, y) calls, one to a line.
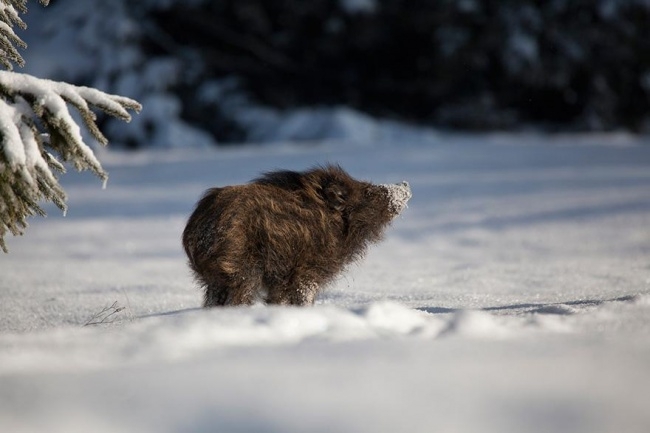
point(405, 185)
point(398, 195)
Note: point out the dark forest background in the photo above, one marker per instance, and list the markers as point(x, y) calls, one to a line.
point(465, 64)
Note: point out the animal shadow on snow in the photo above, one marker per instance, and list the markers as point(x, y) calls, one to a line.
point(559, 308)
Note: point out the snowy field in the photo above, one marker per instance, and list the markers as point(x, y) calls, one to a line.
point(513, 295)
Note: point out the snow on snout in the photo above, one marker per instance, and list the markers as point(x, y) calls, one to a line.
point(399, 194)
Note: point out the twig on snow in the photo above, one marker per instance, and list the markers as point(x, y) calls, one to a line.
point(107, 315)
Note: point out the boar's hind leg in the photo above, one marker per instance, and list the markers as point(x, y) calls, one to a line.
point(244, 289)
point(215, 296)
point(232, 290)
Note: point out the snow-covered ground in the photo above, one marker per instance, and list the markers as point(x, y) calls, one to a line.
point(512, 296)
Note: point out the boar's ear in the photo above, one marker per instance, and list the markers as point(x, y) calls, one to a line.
point(335, 196)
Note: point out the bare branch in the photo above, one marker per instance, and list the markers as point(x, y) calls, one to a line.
point(106, 315)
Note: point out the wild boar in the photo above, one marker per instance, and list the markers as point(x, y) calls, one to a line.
point(283, 237)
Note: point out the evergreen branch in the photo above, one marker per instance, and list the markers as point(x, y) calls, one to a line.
point(8, 38)
point(8, 52)
point(114, 105)
point(34, 115)
point(7, 32)
point(25, 177)
point(21, 5)
point(9, 15)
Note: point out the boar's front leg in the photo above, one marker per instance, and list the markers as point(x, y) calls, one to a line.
point(300, 294)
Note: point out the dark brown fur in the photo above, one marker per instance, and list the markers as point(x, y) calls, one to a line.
point(284, 236)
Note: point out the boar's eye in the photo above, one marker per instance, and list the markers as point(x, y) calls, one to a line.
point(371, 191)
point(335, 196)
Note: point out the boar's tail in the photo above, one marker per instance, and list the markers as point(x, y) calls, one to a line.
point(198, 235)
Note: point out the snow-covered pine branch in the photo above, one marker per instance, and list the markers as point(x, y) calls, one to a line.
point(9, 10)
point(34, 119)
point(36, 125)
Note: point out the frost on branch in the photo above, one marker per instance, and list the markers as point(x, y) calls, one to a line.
point(36, 125)
point(9, 10)
point(34, 121)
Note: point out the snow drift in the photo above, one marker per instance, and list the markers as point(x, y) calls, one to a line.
point(511, 296)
